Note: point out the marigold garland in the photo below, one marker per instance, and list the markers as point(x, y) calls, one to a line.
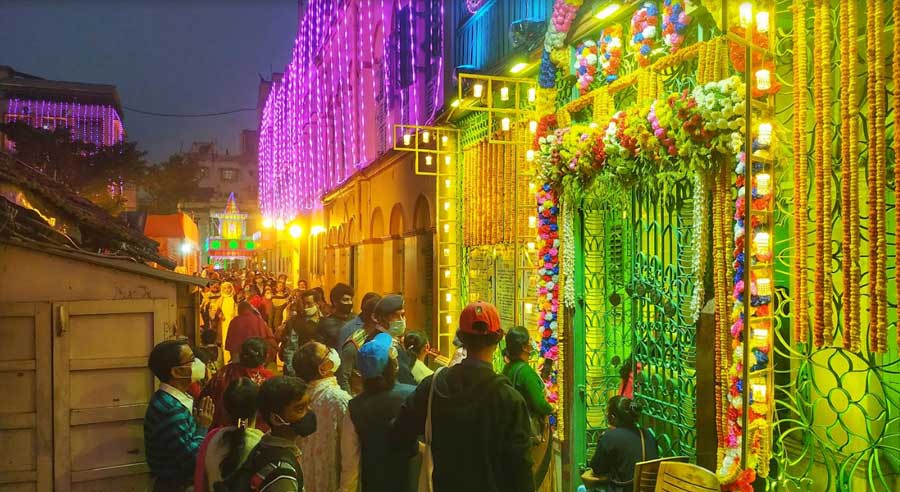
point(819, 159)
point(825, 96)
point(800, 313)
point(896, 79)
point(849, 178)
point(855, 240)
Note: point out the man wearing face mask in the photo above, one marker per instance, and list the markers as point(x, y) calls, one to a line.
point(274, 464)
point(390, 317)
point(342, 312)
point(300, 329)
point(331, 455)
point(173, 427)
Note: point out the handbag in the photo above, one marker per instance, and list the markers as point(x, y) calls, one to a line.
point(425, 483)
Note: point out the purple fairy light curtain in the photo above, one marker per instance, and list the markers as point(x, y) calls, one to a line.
point(96, 124)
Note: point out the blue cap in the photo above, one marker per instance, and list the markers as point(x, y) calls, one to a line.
point(374, 355)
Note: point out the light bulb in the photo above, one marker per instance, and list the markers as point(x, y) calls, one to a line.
point(295, 231)
point(764, 287)
point(447, 183)
point(759, 393)
point(529, 155)
point(746, 14)
point(426, 136)
point(268, 222)
point(446, 228)
point(532, 94)
point(504, 124)
point(185, 248)
point(477, 90)
point(504, 93)
point(445, 140)
point(448, 319)
point(532, 221)
point(763, 80)
point(761, 240)
point(763, 182)
point(529, 307)
point(448, 297)
point(407, 138)
point(762, 22)
point(428, 160)
point(446, 273)
point(532, 126)
point(765, 134)
point(447, 205)
point(446, 251)
point(761, 334)
point(531, 186)
point(447, 160)
point(608, 11)
point(530, 246)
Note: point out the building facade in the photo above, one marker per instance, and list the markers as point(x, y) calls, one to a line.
point(343, 204)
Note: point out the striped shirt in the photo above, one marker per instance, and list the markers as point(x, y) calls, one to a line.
point(171, 438)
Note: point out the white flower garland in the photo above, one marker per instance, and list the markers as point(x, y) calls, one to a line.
point(568, 252)
point(699, 239)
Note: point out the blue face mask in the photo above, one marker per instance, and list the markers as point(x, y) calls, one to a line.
point(397, 328)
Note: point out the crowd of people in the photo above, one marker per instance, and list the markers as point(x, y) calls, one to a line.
point(332, 400)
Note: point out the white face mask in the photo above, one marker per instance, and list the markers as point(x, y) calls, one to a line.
point(311, 311)
point(198, 370)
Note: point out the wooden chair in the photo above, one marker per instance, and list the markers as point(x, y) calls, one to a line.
point(685, 477)
point(645, 472)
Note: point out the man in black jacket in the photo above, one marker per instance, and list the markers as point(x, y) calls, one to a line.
point(480, 429)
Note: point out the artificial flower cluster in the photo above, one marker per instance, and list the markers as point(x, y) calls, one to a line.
point(564, 13)
point(644, 32)
point(585, 65)
point(548, 285)
point(664, 140)
point(674, 22)
point(611, 52)
point(730, 471)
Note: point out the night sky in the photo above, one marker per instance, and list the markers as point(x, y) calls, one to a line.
point(167, 56)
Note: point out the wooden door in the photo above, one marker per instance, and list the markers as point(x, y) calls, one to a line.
point(26, 433)
point(101, 390)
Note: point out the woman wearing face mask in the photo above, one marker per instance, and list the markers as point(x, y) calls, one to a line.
point(275, 461)
point(331, 455)
point(390, 317)
point(251, 366)
point(519, 351)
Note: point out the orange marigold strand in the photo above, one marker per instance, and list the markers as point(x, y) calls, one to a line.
point(896, 78)
point(818, 328)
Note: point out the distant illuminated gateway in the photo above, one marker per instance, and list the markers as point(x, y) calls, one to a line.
point(232, 243)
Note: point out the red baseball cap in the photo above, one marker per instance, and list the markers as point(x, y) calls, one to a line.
point(480, 318)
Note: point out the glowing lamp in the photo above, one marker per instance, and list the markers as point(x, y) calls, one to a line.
point(532, 94)
point(446, 251)
point(763, 184)
point(316, 230)
point(268, 222)
point(745, 12)
point(477, 90)
point(447, 183)
point(295, 231)
point(532, 221)
point(426, 136)
point(447, 205)
point(233, 244)
point(607, 11)
point(428, 160)
point(446, 228)
point(762, 22)
point(530, 246)
point(446, 273)
point(529, 307)
point(761, 335)
point(764, 287)
point(531, 186)
point(759, 392)
point(518, 67)
point(529, 155)
point(594, 124)
point(447, 160)
point(765, 134)
point(761, 240)
point(455, 103)
point(504, 93)
point(448, 319)
point(532, 126)
point(279, 224)
point(407, 139)
point(504, 124)
point(445, 140)
point(185, 248)
point(763, 80)
point(448, 297)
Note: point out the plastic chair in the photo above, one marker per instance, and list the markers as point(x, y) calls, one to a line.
point(645, 472)
point(685, 477)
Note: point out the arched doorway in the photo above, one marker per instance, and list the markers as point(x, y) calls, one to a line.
point(398, 249)
point(424, 266)
point(376, 245)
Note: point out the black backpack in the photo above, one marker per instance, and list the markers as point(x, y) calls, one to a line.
point(263, 463)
